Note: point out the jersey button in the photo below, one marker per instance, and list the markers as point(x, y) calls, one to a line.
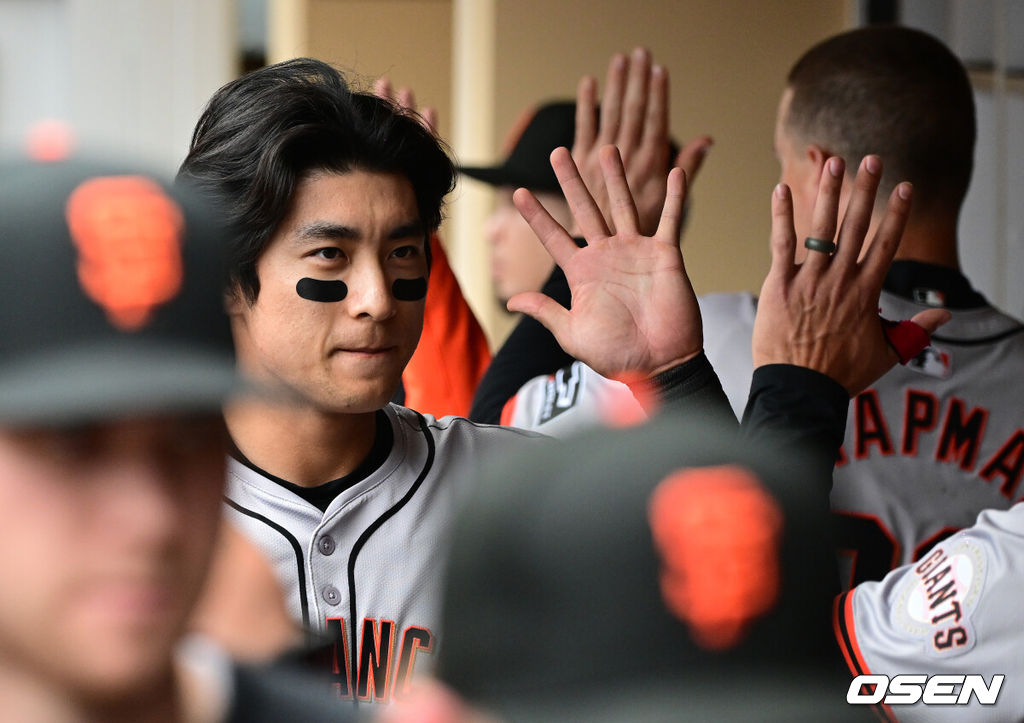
point(326, 545)
point(331, 595)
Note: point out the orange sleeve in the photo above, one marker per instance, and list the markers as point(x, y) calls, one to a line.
point(452, 354)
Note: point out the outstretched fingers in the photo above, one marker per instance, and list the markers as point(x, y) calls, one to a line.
point(887, 237)
point(551, 234)
point(584, 210)
point(623, 208)
point(826, 209)
point(636, 101)
point(783, 239)
point(612, 100)
point(671, 223)
point(857, 218)
point(586, 115)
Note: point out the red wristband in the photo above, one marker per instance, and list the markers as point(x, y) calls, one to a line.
point(906, 337)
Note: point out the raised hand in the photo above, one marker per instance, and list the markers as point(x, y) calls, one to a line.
point(635, 118)
point(406, 99)
point(633, 308)
point(823, 314)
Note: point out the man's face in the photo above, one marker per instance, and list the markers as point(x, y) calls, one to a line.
point(342, 288)
point(106, 534)
point(519, 262)
point(799, 171)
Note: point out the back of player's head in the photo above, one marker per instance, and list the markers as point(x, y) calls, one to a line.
point(632, 574)
point(893, 91)
point(111, 296)
point(261, 134)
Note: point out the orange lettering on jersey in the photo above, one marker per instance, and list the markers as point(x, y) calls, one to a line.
point(1008, 463)
point(870, 425)
point(718, 532)
point(128, 234)
point(961, 434)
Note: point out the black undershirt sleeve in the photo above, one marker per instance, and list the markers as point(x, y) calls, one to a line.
point(529, 351)
point(800, 408)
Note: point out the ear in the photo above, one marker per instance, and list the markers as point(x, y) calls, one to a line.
point(816, 156)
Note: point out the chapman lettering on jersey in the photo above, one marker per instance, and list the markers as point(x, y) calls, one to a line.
point(384, 669)
point(957, 440)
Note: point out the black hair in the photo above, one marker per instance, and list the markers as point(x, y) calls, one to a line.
point(261, 134)
point(896, 92)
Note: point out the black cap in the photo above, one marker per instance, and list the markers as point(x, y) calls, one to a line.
point(111, 295)
point(528, 165)
point(674, 571)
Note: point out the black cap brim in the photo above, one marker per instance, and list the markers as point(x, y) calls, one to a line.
point(101, 382)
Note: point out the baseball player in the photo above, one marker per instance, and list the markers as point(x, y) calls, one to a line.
point(333, 194)
point(936, 441)
point(116, 359)
point(532, 383)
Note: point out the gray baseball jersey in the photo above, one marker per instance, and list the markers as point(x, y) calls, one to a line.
point(368, 570)
point(955, 612)
point(928, 447)
point(572, 399)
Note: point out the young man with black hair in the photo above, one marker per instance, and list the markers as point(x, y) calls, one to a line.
point(333, 194)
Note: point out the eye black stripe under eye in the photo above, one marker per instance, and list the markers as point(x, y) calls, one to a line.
point(409, 289)
point(324, 291)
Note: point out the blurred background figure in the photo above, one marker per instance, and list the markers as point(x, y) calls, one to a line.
point(115, 359)
point(518, 260)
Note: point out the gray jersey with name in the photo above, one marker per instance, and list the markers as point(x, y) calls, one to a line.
point(928, 447)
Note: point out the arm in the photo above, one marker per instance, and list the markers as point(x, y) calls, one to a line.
point(633, 116)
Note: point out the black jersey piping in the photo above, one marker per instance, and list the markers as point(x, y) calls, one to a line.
point(363, 538)
point(978, 342)
point(300, 565)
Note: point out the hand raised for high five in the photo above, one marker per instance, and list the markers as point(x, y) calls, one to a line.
point(823, 314)
point(406, 99)
point(635, 118)
point(633, 308)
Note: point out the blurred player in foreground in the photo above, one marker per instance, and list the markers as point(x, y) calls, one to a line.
point(116, 358)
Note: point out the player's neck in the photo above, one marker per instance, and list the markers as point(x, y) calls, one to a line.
point(301, 444)
point(933, 244)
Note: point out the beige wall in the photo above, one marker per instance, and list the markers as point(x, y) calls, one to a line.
point(410, 41)
point(727, 60)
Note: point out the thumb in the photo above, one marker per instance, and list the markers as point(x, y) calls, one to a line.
point(544, 309)
point(931, 319)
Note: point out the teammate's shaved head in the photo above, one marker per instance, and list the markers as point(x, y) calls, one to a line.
point(891, 91)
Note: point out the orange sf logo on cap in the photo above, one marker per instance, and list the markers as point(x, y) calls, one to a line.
point(718, 534)
point(128, 234)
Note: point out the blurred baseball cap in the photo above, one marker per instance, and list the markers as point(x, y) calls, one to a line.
point(675, 571)
point(111, 295)
point(539, 131)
